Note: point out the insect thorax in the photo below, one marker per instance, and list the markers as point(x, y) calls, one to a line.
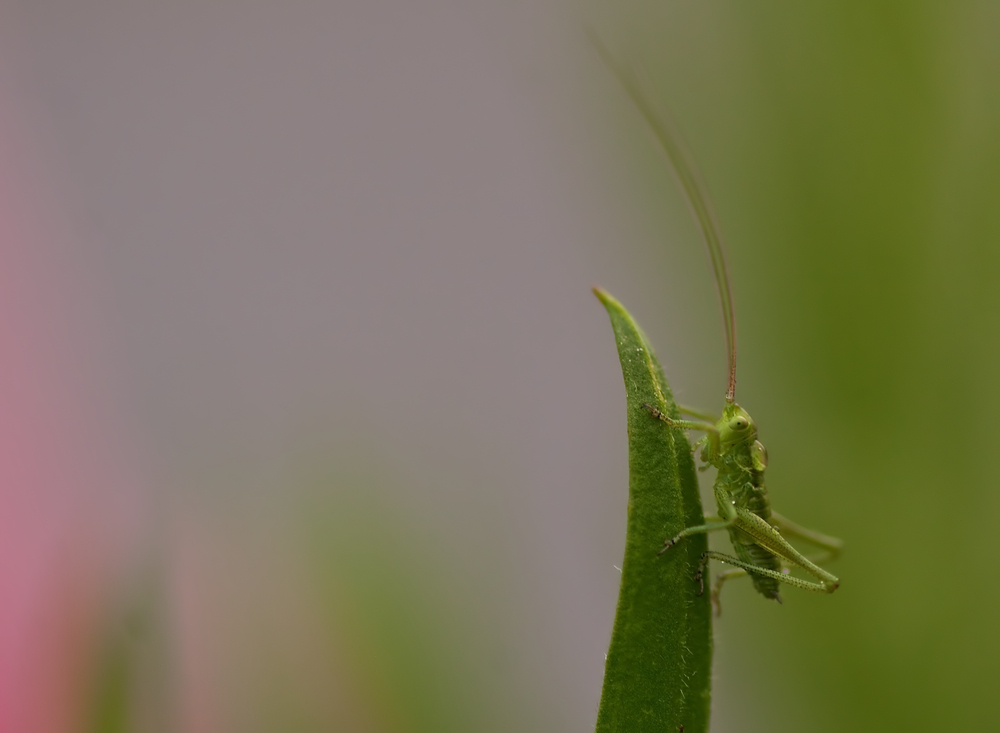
point(741, 463)
point(741, 480)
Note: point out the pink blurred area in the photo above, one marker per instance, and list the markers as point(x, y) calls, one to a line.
point(68, 488)
point(299, 361)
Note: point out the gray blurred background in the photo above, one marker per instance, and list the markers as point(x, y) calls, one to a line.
point(331, 269)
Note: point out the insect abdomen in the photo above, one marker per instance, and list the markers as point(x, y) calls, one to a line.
point(749, 551)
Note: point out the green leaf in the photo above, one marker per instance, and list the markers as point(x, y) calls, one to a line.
point(658, 672)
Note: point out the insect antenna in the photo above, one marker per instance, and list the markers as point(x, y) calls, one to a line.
point(662, 127)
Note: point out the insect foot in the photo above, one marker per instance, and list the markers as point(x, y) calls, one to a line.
point(658, 415)
point(699, 578)
point(667, 544)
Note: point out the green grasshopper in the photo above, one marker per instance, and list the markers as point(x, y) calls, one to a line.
point(730, 443)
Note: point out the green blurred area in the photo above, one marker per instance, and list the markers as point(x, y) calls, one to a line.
point(851, 150)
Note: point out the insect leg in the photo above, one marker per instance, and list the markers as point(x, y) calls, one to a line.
point(717, 586)
point(698, 529)
point(831, 545)
point(698, 414)
point(682, 424)
point(757, 570)
point(719, 580)
point(771, 540)
point(702, 445)
point(712, 524)
point(711, 449)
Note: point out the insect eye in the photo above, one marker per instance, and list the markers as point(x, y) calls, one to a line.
point(739, 423)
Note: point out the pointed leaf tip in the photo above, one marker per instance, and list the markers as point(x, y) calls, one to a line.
point(657, 674)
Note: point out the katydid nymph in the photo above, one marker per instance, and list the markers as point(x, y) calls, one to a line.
point(730, 444)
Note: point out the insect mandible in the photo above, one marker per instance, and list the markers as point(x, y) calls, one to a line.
point(730, 444)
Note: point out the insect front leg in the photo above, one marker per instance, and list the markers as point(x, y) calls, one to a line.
point(705, 456)
point(710, 443)
point(682, 424)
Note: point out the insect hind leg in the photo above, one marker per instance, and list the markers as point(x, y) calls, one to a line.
point(831, 546)
point(781, 576)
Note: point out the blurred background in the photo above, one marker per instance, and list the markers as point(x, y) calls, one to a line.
point(310, 422)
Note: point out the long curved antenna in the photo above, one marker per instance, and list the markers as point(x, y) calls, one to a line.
point(663, 130)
